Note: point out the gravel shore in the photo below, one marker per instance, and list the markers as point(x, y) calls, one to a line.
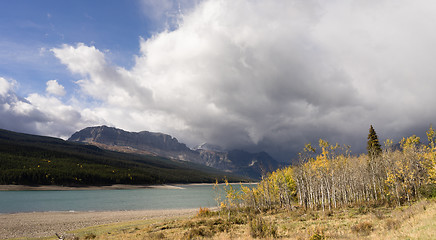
point(42, 224)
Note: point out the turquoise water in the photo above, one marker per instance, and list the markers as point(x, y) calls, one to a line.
point(189, 196)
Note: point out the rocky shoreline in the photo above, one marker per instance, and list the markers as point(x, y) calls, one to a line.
point(45, 224)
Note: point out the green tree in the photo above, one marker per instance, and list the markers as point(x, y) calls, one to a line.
point(374, 162)
point(373, 146)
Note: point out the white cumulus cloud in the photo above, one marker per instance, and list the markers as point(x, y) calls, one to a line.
point(38, 114)
point(53, 87)
point(5, 86)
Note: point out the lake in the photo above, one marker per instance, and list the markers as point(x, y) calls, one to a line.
point(187, 196)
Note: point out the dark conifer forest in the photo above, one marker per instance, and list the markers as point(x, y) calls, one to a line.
point(36, 160)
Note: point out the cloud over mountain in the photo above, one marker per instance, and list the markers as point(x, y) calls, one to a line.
point(269, 74)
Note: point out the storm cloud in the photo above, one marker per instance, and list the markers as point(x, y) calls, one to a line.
point(268, 75)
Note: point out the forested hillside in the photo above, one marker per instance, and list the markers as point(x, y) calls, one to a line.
point(30, 159)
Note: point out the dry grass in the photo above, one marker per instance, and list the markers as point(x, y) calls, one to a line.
point(410, 222)
point(415, 222)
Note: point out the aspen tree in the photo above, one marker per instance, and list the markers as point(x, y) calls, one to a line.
point(330, 177)
point(431, 154)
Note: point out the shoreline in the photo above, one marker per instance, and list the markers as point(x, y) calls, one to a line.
point(108, 187)
point(72, 188)
point(46, 224)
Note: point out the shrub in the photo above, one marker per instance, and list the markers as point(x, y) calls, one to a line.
point(194, 233)
point(428, 190)
point(309, 215)
point(223, 227)
point(155, 236)
point(363, 228)
point(328, 213)
point(392, 224)
point(259, 228)
point(362, 210)
point(90, 236)
point(378, 214)
point(204, 212)
point(317, 236)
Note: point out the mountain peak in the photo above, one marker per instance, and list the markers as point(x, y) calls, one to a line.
point(209, 147)
point(117, 137)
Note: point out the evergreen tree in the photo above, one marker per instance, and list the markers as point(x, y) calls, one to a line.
point(373, 147)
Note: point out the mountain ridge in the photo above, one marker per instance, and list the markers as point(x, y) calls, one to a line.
point(240, 162)
point(143, 142)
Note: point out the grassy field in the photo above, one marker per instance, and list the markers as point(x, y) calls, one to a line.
point(417, 221)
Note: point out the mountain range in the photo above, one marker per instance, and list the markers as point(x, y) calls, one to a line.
point(240, 162)
point(38, 160)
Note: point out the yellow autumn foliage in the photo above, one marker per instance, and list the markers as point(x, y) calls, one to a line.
point(334, 178)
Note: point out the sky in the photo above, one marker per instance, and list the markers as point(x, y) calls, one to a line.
point(249, 74)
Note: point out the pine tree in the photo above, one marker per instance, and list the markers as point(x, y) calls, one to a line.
point(373, 147)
